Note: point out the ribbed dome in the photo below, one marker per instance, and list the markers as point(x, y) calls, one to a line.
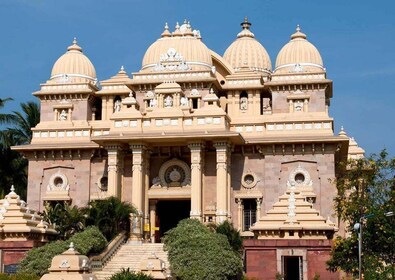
point(178, 51)
point(246, 52)
point(73, 66)
point(299, 55)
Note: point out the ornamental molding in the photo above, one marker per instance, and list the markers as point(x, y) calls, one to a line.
point(173, 173)
point(299, 177)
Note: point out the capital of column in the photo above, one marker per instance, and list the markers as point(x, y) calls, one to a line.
point(137, 147)
point(112, 148)
point(196, 146)
point(222, 145)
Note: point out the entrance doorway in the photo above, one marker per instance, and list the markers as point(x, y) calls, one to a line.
point(169, 213)
point(292, 268)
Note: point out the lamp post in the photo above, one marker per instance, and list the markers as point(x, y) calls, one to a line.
point(358, 227)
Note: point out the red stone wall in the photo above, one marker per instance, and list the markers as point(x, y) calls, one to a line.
point(14, 251)
point(261, 257)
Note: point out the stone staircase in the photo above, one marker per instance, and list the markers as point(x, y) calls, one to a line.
point(129, 256)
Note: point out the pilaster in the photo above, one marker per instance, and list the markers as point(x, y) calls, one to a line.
point(196, 179)
point(222, 148)
point(114, 170)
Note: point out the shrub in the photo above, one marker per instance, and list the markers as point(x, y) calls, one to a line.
point(197, 253)
point(38, 260)
point(110, 215)
point(126, 274)
point(232, 234)
point(19, 276)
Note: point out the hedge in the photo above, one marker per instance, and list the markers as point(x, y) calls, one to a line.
point(38, 260)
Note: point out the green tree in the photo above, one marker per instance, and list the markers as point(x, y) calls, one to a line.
point(13, 167)
point(367, 186)
point(38, 260)
point(110, 215)
point(233, 235)
point(4, 118)
point(197, 253)
point(67, 219)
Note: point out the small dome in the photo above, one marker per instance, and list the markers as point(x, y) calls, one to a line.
point(180, 50)
point(73, 67)
point(246, 52)
point(299, 55)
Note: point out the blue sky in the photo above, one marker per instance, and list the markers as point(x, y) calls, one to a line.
point(356, 40)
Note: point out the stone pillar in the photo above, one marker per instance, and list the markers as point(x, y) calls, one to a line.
point(114, 172)
point(222, 148)
point(136, 233)
point(146, 184)
point(152, 214)
point(239, 214)
point(258, 208)
point(138, 176)
point(196, 179)
point(228, 185)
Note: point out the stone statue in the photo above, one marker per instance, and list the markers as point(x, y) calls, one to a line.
point(184, 101)
point(153, 102)
point(168, 101)
point(243, 103)
point(63, 115)
point(298, 105)
point(266, 104)
point(117, 106)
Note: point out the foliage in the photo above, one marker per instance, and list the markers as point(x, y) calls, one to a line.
point(197, 253)
point(110, 215)
point(38, 260)
point(13, 167)
point(279, 276)
point(67, 219)
point(367, 187)
point(233, 235)
point(19, 276)
point(126, 274)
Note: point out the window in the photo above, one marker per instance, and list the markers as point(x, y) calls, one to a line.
point(249, 213)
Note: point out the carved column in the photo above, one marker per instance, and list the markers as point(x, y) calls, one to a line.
point(229, 179)
point(137, 191)
point(138, 176)
point(196, 179)
point(222, 148)
point(146, 183)
point(258, 208)
point(114, 170)
point(239, 214)
point(152, 212)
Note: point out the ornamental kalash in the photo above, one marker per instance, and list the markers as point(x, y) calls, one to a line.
point(200, 135)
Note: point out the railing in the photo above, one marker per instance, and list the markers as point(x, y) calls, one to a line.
point(99, 261)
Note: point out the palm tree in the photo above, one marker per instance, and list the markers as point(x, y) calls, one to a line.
point(23, 123)
point(13, 167)
point(5, 118)
point(110, 215)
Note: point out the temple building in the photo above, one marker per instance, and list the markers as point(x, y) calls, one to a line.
point(197, 134)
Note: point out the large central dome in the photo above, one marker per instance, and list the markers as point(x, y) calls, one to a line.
point(180, 50)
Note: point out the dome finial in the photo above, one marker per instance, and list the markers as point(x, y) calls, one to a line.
point(298, 33)
point(245, 24)
point(166, 32)
point(74, 46)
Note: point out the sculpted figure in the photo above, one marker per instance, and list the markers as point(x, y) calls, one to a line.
point(117, 106)
point(184, 101)
point(243, 103)
point(153, 102)
point(63, 115)
point(168, 101)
